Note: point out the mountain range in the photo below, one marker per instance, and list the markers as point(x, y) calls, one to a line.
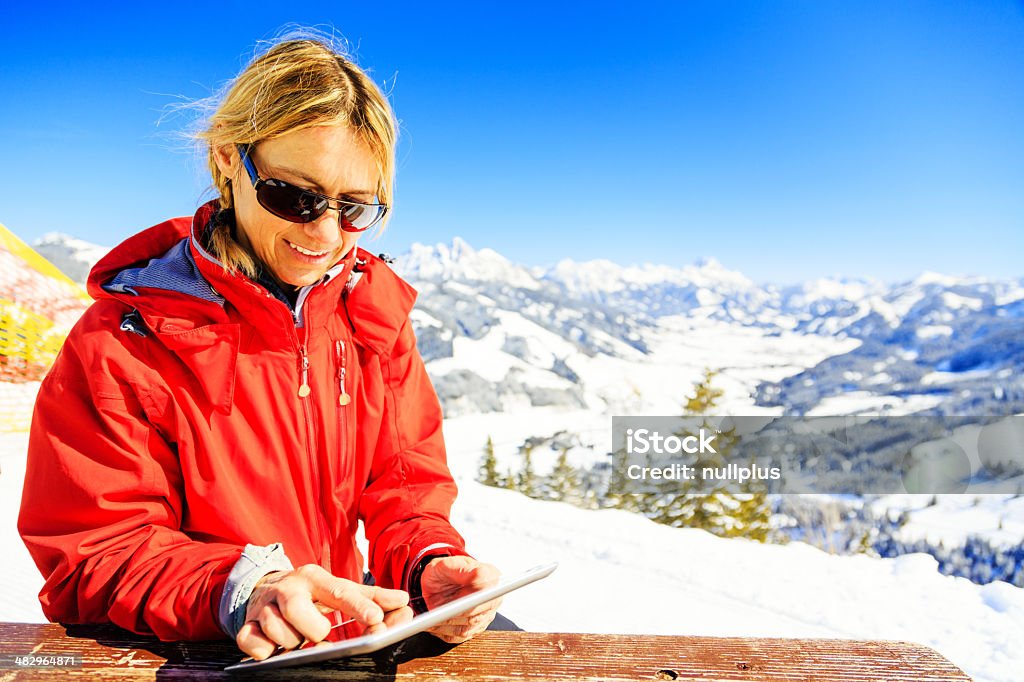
point(497, 335)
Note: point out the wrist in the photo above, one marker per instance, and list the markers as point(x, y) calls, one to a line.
point(416, 599)
point(251, 569)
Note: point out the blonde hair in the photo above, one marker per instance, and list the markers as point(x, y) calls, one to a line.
point(296, 84)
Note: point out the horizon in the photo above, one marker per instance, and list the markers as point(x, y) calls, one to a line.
point(793, 141)
point(698, 263)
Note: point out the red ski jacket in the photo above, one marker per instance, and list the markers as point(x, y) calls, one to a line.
point(175, 428)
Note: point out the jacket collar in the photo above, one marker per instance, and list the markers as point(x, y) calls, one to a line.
point(178, 286)
point(377, 302)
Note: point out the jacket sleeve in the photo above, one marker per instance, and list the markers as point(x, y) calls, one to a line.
point(405, 507)
point(102, 507)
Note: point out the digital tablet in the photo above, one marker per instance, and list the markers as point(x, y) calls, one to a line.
point(325, 651)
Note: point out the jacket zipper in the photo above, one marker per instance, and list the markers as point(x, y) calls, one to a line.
point(321, 529)
point(343, 397)
point(343, 400)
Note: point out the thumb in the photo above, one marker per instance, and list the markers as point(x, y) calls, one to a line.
point(454, 567)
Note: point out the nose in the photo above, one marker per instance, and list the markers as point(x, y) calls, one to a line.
point(325, 230)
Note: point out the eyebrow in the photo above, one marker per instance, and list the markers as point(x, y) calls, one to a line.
point(299, 174)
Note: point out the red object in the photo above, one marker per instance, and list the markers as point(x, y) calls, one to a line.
point(154, 459)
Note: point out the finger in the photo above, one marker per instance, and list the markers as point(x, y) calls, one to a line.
point(446, 633)
point(253, 642)
point(467, 630)
point(387, 599)
point(310, 620)
point(278, 629)
point(346, 596)
point(452, 568)
point(398, 616)
point(465, 572)
point(455, 634)
point(488, 607)
point(486, 574)
point(464, 621)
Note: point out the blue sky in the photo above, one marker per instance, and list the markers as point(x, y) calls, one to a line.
point(789, 140)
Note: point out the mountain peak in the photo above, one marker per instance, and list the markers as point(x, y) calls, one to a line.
point(708, 263)
point(460, 247)
point(459, 260)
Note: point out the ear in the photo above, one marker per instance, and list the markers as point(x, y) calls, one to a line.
point(226, 158)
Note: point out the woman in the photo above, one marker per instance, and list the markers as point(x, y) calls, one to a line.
point(245, 389)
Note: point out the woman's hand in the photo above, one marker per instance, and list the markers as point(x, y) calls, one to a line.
point(447, 578)
point(287, 608)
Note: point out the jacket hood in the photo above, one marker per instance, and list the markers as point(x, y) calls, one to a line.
point(176, 286)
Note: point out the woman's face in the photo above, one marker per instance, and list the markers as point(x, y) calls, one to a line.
point(328, 159)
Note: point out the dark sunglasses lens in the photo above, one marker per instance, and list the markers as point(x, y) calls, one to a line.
point(300, 206)
point(356, 217)
point(290, 202)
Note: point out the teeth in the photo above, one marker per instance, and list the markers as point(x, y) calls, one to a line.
point(307, 252)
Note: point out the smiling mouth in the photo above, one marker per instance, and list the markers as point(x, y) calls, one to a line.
point(307, 252)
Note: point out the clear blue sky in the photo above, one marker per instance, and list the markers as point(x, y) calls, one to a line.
point(787, 139)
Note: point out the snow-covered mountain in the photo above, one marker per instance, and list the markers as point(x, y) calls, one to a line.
point(513, 349)
point(74, 257)
point(498, 334)
point(492, 328)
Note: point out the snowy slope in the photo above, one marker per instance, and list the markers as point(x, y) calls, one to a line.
point(620, 573)
point(518, 352)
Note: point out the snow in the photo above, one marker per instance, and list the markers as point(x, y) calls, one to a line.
point(620, 573)
point(865, 402)
point(934, 330)
point(486, 357)
point(952, 518)
point(955, 301)
point(1009, 294)
point(86, 251)
point(708, 275)
point(828, 289)
point(939, 378)
point(460, 261)
point(682, 347)
point(927, 277)
point(22, 581)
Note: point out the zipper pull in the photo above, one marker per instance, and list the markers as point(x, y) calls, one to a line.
point(304, 388)
point(343, 397)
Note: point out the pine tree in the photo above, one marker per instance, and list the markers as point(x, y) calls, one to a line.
point(489, 466)
point(563, 483)
point(526, 480)
point(705, 396)
point(718, 506)
point(618, 495)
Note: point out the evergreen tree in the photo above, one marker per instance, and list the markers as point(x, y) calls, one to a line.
point(705, 395)
point(618, 495)
point(563, 483)
point(489, 466)
point(722, 507)
point(526, 480)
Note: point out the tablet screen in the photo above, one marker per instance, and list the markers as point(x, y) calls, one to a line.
point(335, 647)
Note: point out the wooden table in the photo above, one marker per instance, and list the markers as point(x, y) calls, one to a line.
point(109, 653)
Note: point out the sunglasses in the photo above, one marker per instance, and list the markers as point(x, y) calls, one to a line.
point(299, 205)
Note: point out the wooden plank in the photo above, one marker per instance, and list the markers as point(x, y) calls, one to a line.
point(109, 653)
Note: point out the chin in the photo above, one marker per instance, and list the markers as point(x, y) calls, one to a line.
point(303, 281)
